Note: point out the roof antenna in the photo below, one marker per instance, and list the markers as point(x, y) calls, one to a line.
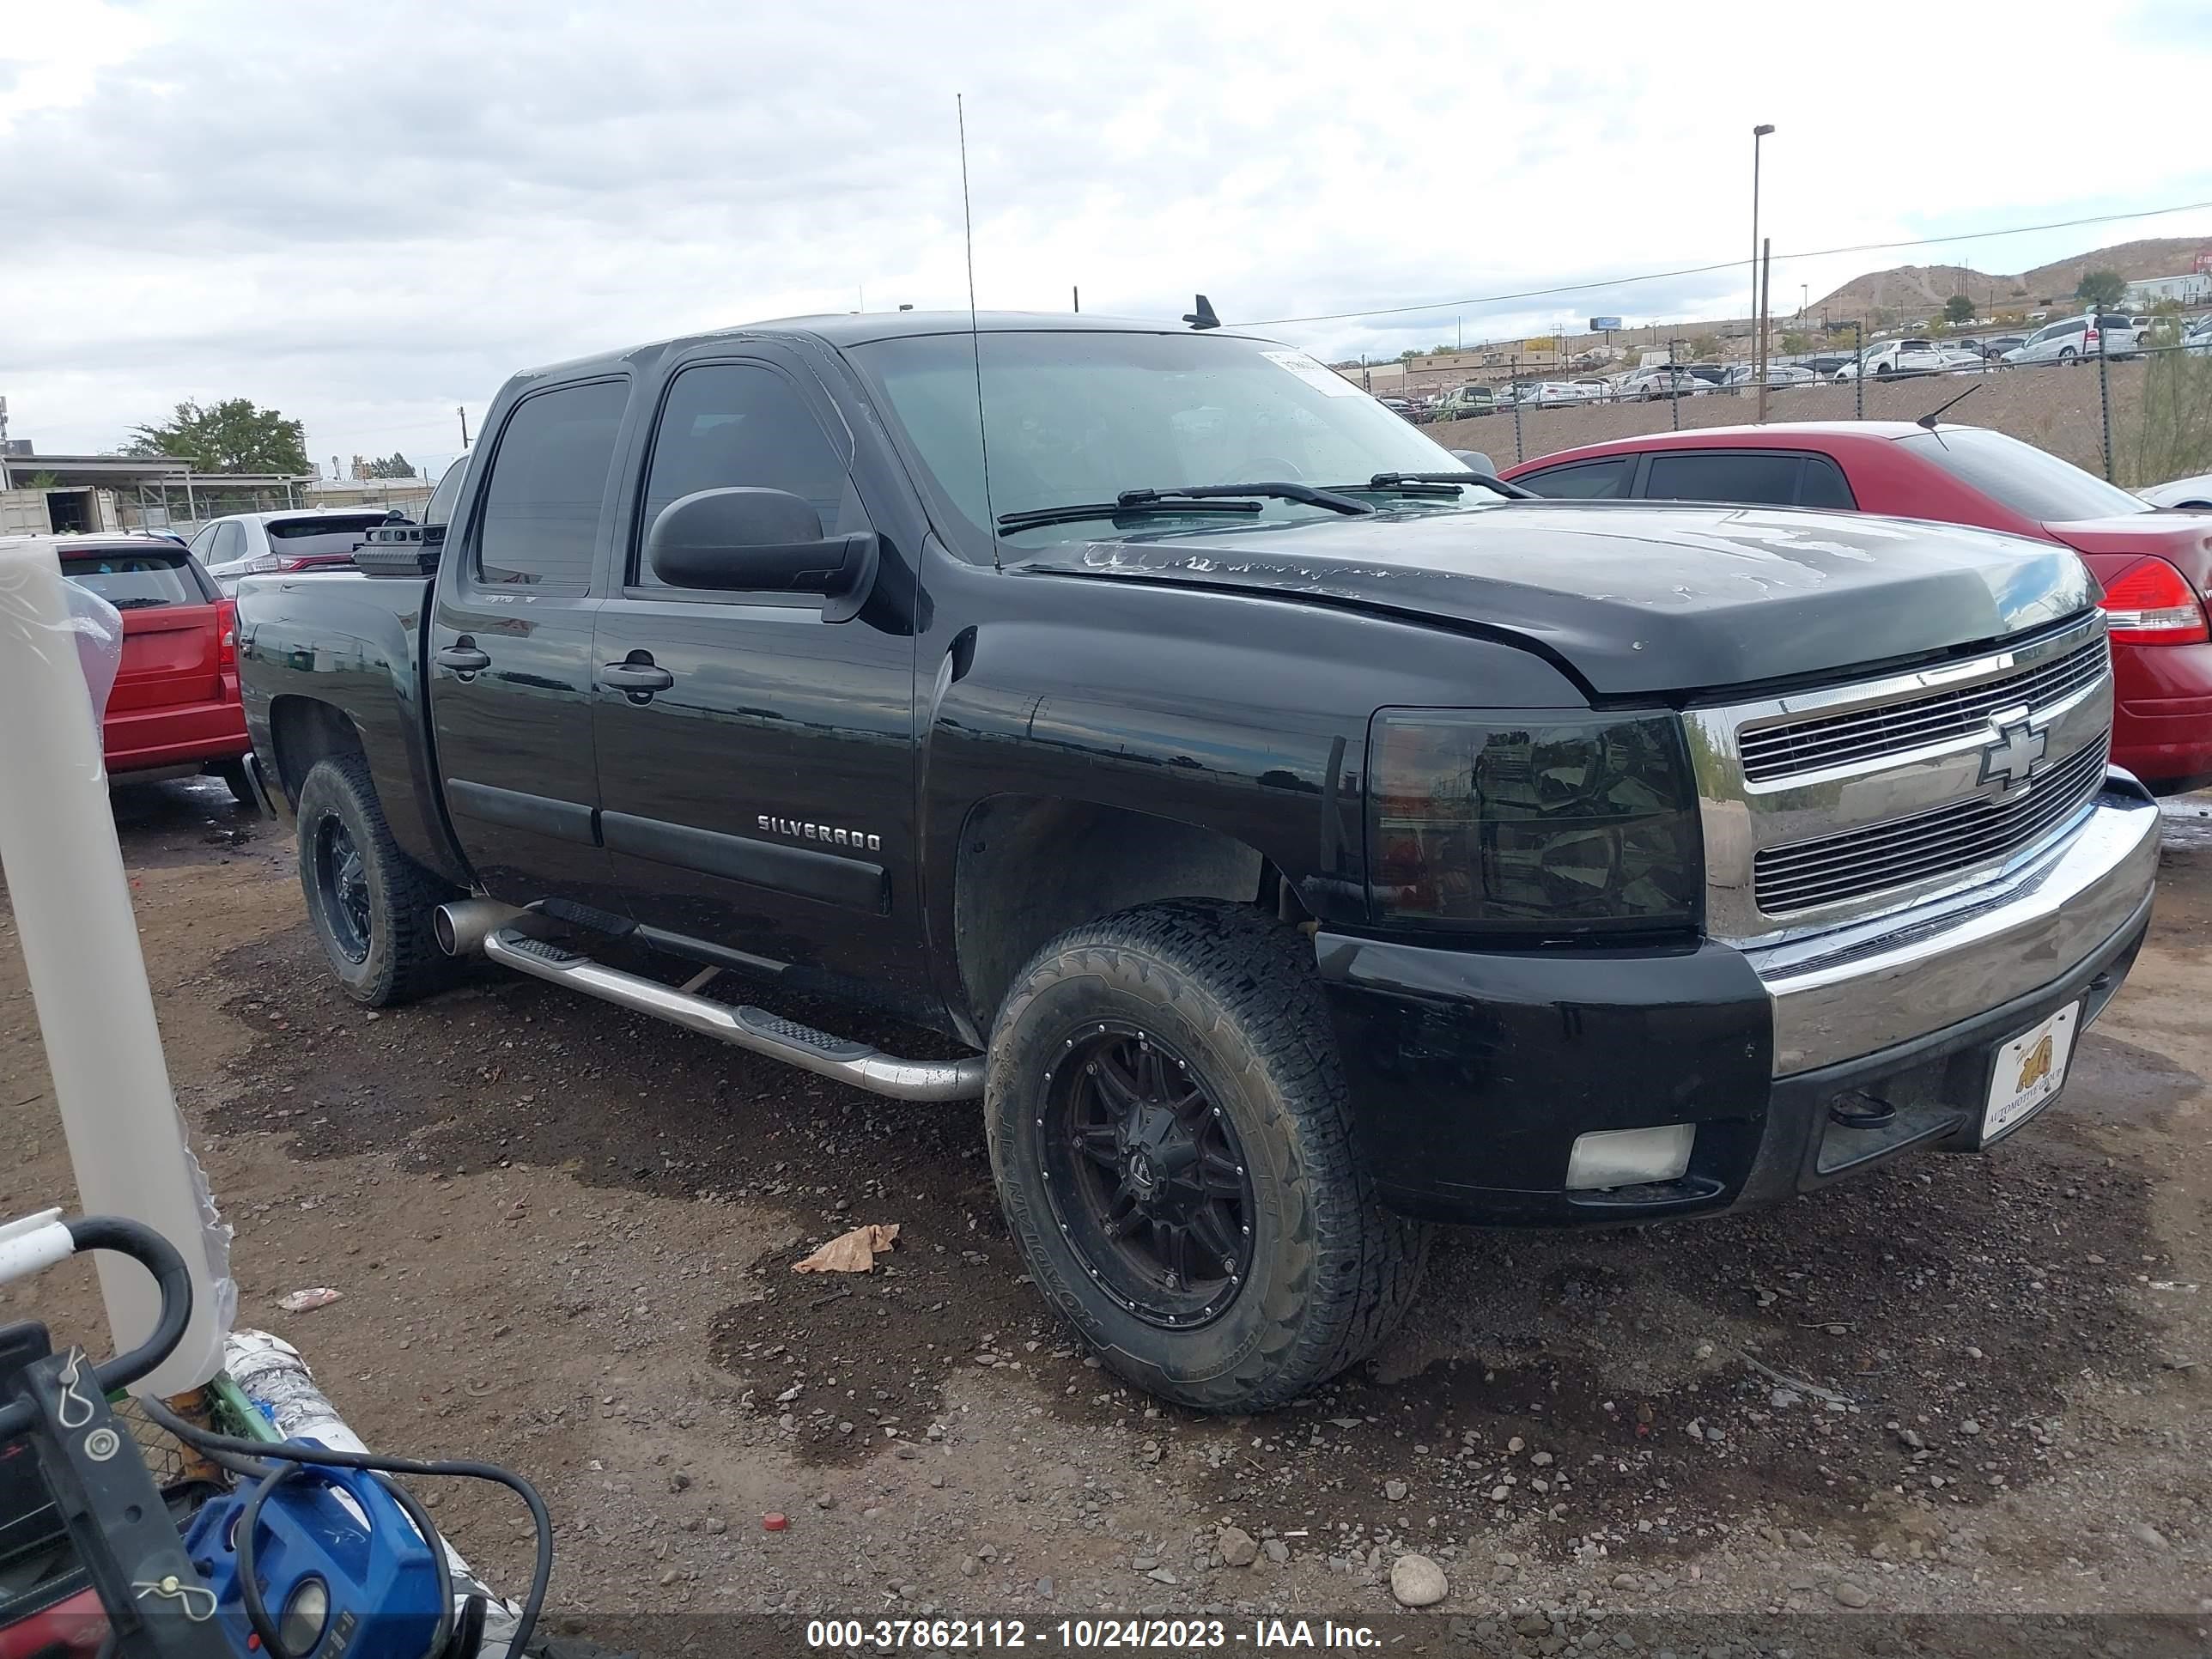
point(1203, 316)
point(1932, 415)
point(974, 333)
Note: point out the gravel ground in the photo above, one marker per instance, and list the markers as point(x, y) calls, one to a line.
point(1964, 1398)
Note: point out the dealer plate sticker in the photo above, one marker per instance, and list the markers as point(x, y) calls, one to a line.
point(2029, 1070)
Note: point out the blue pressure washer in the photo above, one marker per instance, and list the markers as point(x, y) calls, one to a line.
point(312, 1553)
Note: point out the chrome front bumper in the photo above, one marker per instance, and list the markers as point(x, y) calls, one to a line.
point(1856, 990)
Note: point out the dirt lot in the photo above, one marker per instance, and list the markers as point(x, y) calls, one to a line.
point(1961, 1387)
point(2059, 409)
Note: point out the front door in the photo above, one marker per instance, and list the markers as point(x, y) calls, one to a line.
point(511, 651)
point(756, 762)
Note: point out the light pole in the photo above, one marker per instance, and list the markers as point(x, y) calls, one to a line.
point(1758, 341)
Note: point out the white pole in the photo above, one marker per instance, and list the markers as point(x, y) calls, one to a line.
point(72, 903)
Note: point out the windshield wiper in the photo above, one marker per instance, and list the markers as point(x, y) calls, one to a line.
point(1424, 483)
point(1306, 494)
point(1077, 511)
point(1194, 498)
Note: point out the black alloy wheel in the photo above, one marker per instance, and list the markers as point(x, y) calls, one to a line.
point(342, 878)
point(1146, 1175)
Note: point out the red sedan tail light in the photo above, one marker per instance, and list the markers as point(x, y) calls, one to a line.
point(226, 625)
point(2150, 603)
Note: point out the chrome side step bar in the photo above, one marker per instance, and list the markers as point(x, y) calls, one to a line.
point(755, 1029)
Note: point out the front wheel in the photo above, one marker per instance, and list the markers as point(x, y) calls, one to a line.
point(370, 903)
point(1170, 1132)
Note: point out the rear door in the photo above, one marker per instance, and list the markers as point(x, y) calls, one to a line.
point(1752, 477)
point(510, 643)
point(761, 797)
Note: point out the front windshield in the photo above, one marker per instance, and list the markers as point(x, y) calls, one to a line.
point(1082, 416)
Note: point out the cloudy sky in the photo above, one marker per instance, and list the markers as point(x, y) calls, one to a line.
point(366, 215)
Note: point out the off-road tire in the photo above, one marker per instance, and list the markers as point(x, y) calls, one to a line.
point(1329, 1271)
point(403, 961)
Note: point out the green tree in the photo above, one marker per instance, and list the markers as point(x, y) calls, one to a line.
point(1797, 343)
point(394, 466)
point(1958, 309)
point(230, 437)
point(2100, 288)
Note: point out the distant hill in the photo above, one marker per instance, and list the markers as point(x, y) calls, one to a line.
point(1924, 288)
point(2159, 256)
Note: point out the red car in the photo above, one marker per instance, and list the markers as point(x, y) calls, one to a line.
point(175, 709)
point(2155, 565)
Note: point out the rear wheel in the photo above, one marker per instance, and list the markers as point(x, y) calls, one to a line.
point(370, 903)
point(2066, 355)
point(1169, 1133)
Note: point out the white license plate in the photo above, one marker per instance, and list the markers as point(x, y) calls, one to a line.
point(2029, 1070)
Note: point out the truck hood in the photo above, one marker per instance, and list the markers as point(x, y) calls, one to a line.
point(1638, 597)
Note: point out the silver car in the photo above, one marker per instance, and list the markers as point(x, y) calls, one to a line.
point(257, 543)
point(2070, 339)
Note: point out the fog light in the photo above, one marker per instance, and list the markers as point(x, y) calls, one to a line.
point(1629, 1157)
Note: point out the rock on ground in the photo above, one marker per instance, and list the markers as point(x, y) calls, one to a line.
point(1417, 1582)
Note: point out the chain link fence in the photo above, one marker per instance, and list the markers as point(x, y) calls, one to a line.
point(2137, 419)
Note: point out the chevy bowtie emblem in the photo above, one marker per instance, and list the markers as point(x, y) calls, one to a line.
point(2010, 757)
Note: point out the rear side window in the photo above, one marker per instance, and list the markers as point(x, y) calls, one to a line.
point(540, 518)
point(137, 581)
point(1759, 477)
point(1823, 485)
point(1585, 481)
point(229, 542)
point(732, 425)
point(335, 533)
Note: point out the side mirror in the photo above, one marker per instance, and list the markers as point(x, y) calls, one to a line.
point(760, 541)
point(1476, 459)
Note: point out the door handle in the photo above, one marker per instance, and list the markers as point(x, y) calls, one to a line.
point(463, 657)
point(637, 675)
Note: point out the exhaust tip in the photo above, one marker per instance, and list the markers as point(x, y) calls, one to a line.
point(441, 927)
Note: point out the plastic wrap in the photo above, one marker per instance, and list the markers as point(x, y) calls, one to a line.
point(99, 628)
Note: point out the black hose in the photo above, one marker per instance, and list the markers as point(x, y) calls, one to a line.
point(296, 1451)
point(159, 1258)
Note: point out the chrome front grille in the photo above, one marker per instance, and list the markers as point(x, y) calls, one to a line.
point(1830, 869)
point(1795, 747)
point(1827, 807)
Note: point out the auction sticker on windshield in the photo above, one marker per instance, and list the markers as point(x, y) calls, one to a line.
point(2029, 1070)
point(1318, 375)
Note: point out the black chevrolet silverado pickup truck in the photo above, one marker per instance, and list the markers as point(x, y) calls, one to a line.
point(1307, 839)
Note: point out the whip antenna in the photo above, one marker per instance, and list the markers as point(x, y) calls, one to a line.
point(974, 333)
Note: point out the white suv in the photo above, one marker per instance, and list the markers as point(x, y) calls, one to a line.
point(2070, 339)
point(254, 543)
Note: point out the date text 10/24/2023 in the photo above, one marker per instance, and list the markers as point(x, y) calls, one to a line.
point(1085, 1635)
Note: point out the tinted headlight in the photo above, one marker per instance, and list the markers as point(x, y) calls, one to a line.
point(1533, 822)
